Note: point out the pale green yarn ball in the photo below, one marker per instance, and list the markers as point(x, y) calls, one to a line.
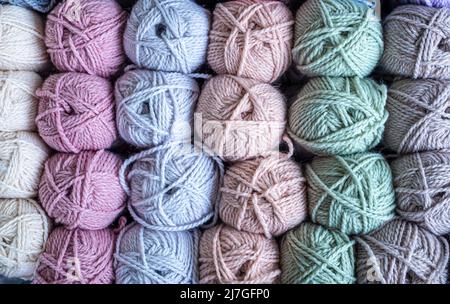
point(336, 116)
point(312, 254)
point(352, 193)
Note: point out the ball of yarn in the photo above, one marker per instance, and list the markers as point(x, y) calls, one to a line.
point(312, 254)
point(251, 38)
point(77, 257)
point(421, 183)
point(241, 118)
point(264, 195)
point(145, 256)
point(24, 229)
point(22, 158)
point(22, 36)
point(173, 187)
point(337, 38)
point(42, 6)
point(86, 36)
point(431, 3)
point(170, 35)
point(154, 107)
point(18, 101)
point(76, 112)
point(82, 190)
point(334, 116)
point(228, 256)
point(352, 193)
point(401, 252)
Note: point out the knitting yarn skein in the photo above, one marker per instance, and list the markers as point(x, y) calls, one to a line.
point(431, 3)
point(22, 36)
point(86, 36)
point(145, 256)
point(228, 256)
point(82, 190)
point(401, 252)
point(312, 254)
point(24, 229)
point(77, 257)
point(76, 112)
point(334, 116)
point(154, 107)
point(18, 101)
point(168, 35)
point(42, 6)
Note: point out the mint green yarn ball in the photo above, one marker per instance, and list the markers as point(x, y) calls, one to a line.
point(312, 254)
point(337, 116)
point(337, 38)
point(352, 193)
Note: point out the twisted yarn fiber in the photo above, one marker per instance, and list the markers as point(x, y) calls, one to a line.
point(42, 6)
point(76, 112)
point(264, 195)
point(334, 116)
point(77, 257)
point(417, 42)
point(242, 118)
point(86, 36)
point(173, 187)
point(312, 254)
point(22, 157)
point(18, 101)
point(155, 107)
point(228, 256)
point(24, 230)
point(421, 183)
point(352, 193)
point(82, 190)
point(251, 38)
point(432, 3)
point(22, 36)
point(167, 35)
point(401, 252)
point(337, 38)
point(145, 256)
point(418, 118)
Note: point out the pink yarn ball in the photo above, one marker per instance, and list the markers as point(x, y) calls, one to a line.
point(77, 257)
point(77, 112)
point(82, 190)
point(86, 36)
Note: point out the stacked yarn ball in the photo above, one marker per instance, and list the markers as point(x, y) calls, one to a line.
point(352, 193)
point(312, 254)
point(228, 256)
point(86, 36)
point(145, 256)
point(169, 35)
point(401, 252)
point(251, 38)
point(154, 107)
point(337, 38)
point(242, 118)
point(18, 101)
point(431, 3)
point(82, 190)
point(42, 6)
point(77, 257)
point(24, 229)
point(333, 116)
point(22, 36)
point(76, 112)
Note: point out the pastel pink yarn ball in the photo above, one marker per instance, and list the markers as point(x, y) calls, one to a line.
point(82, 190)
point(77, 112)
point(77, 257)
point(86, 36)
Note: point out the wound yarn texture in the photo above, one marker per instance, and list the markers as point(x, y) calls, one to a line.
point(431, 3)
point(42, 6)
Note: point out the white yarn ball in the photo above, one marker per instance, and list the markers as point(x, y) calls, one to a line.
point(22, 40)
point(18, 101)
point(22, 158)
point(24, 229)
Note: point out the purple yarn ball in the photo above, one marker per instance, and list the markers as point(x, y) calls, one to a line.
point(431, 3)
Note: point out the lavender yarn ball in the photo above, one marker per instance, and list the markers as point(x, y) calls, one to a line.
point(431, 3)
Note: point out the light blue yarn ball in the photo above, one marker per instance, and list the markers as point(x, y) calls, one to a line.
point(145, 256)
point(42, 6)
point(167, 35)
point(155, 107)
